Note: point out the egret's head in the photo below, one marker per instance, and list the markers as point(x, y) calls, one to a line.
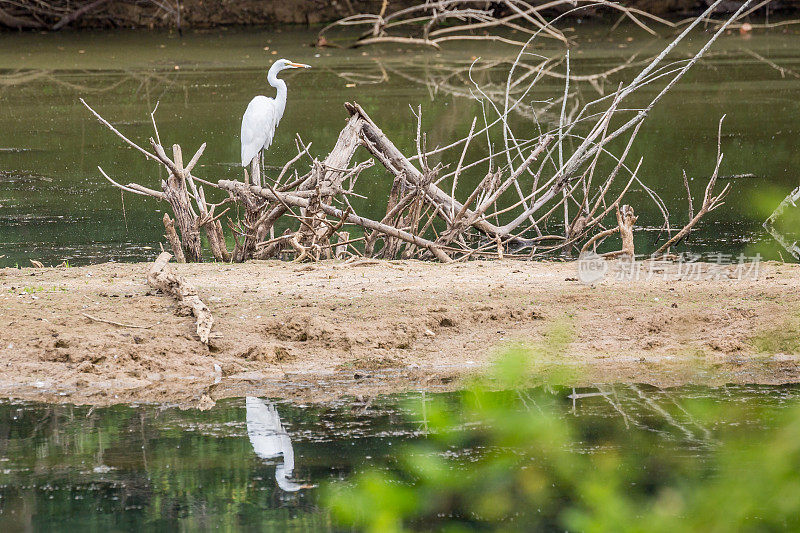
point(285, 63)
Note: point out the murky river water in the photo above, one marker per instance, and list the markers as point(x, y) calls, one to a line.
point(55, 206)
point(256, 464)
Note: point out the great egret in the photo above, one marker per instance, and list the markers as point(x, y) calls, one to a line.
point(270, 441)
point(262, 117)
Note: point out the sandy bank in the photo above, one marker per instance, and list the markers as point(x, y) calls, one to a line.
point(322, 330)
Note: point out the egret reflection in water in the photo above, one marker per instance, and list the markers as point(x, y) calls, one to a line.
point(271, 441)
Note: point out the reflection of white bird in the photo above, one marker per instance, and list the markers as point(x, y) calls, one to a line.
point(262, 117)
point(270, 441)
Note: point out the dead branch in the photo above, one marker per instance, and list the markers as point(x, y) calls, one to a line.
point(161, 277)
point(272, 195)
point(113, 323)
point(625, 221)
point(597, 237)
point(172, 237)
point(709, 202)
point(387, 153)
point(431, 23)
point(790, 246)
point(78, 13)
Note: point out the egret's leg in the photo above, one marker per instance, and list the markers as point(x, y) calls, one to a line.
point(255, 172)
point(272, 226)
point(261, 166)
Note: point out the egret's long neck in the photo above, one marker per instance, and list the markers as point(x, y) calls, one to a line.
point(280, 85)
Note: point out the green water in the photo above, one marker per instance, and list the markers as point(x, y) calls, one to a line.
point(127, 468)
point(55, 206)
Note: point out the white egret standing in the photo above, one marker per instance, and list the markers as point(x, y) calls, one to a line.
point(262, 117)
point(270, 441)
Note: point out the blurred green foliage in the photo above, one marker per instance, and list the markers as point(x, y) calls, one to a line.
point(510, 458)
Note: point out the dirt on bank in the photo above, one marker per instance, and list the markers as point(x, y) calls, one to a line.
point(318, 331)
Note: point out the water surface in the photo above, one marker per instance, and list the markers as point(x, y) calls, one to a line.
point(258, 464)
point(55, 206)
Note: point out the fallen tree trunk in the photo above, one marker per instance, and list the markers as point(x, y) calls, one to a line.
point(161, 277)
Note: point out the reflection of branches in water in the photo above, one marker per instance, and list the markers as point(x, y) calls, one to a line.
point(453, 78)
point(783, 71)
point(635, 408)
point(24, 77)
point(150, 82)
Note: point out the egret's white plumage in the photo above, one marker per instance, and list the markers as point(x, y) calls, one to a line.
point(263, 114)
point(270, 440)
point(258, 125)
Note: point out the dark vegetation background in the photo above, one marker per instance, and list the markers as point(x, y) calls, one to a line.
point(58, 14)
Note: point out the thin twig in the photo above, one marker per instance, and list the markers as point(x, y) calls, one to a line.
point(113, 323)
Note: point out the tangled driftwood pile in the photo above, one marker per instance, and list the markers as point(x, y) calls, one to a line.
point(539, 175)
